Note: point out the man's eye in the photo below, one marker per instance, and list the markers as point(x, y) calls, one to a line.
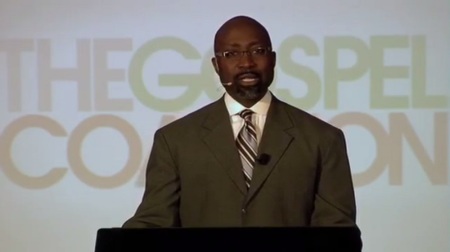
point(259, 51)
point(230, 54)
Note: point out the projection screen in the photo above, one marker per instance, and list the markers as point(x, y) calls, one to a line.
point(85, 84)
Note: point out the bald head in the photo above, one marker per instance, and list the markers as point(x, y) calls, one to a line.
point(244, 59)
point(239, 22)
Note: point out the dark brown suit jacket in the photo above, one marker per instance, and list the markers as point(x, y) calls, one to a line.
point(194, 174)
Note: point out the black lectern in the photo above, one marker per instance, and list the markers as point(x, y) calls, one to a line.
point(346, 239)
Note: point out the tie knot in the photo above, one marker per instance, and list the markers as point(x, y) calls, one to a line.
point(246, 114)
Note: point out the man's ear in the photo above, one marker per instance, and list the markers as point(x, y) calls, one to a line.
point(215, 64)
point(274, 59)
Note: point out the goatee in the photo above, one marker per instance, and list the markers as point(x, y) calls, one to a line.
point(250, 93)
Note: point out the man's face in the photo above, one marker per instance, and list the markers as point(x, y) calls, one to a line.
point(251, 72)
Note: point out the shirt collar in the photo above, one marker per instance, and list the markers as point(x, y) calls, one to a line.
point(260, 108)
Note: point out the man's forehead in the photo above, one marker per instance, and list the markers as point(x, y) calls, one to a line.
point(242, 43)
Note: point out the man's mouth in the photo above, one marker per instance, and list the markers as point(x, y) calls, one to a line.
point(248, 79)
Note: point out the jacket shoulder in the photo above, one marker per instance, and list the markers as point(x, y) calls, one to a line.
point(191, 120)
point(304, 119)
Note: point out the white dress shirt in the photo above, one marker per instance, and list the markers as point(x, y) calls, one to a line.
point(258, 118)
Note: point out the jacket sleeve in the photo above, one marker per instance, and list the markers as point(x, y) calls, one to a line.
point(160, 202)
point(334, 203)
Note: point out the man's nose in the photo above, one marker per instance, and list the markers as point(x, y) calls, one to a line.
point(246, 61)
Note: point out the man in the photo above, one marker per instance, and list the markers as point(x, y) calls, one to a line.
point(273, 165)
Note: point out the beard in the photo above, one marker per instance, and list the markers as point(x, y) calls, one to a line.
point(250, 92)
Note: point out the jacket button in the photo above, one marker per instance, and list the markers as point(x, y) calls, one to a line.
point(243, 211)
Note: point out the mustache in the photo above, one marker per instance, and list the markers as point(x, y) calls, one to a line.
point(247, 73)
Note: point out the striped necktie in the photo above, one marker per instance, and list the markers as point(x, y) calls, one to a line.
point(247, 145)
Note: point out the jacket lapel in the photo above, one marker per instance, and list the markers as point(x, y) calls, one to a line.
point(218, 135)
point(274, 142)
